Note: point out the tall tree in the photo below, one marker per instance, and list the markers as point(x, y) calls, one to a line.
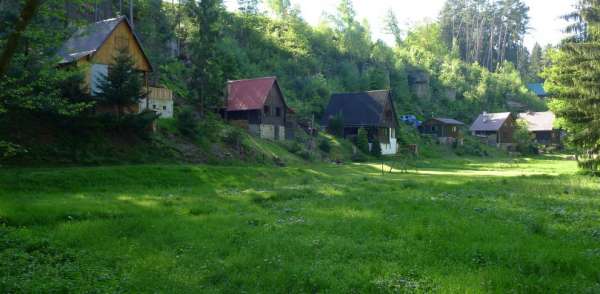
point(248, 6)
point(281, 8)
point(392, 27)
point(10, 47)
point(574, 81)
point(536, 64)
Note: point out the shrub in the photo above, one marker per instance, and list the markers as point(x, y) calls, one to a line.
point(325, 146)
point(187, 122)
point(359, 157)
point(362, 140)
point(524, 139)
point(234, 138)
point(336, 126)
point(376, 149)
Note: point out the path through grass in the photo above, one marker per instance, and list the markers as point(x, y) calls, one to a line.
point(453, 226)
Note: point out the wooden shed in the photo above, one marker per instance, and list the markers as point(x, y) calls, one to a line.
point(495, 128)
point(446, 130)
point(541, 125)
point(94, 48)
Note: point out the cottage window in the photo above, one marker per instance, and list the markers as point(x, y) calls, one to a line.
point(267, 110)
point(164, 107)
point(278, 112)
point(153, 106)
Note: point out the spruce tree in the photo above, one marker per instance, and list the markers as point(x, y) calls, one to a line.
point(123, 86)
point(574, 81)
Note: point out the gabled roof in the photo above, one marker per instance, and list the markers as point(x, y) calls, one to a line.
point(538, 121)
point(448, 121)
point(250, 94)
point(86, 41)
point(489, 121)
point(360, 109)
point(538, 89)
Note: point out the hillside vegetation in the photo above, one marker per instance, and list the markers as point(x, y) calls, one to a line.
point(195, 48)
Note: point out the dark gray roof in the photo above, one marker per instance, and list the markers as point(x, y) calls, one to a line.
point(448, 121)
point(489, 121)
point(359, 109)
point(87, 40)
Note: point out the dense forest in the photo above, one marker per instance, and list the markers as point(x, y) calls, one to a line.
point(471, 60)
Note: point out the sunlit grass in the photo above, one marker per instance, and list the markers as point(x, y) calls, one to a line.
point(462, 225)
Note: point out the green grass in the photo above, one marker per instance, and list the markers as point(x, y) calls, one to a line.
point(462, 225)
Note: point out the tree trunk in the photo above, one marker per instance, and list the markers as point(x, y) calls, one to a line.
point(27, 13)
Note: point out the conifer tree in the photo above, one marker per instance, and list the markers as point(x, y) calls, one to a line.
point(574, 81)
point(123, 86)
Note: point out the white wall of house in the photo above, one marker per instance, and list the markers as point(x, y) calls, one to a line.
point(390, 148)
point(160, 106)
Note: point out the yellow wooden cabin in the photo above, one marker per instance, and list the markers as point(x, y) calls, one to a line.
point(95, 47)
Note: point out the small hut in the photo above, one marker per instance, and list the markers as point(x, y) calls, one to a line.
point(495, 129)
point(446, 130)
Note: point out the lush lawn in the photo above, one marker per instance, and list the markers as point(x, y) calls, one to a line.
point(452, 226)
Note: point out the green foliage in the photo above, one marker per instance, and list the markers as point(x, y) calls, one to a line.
point(524, 139)
point(123, 86)
point(362, 140)
point(187, 122)
point(573, 81)
point(336, 125)
point(325, 146)
point(375, 149)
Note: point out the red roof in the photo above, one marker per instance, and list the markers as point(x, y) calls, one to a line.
point(248, 94)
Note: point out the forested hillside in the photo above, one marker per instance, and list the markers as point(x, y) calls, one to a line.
point(436, 68)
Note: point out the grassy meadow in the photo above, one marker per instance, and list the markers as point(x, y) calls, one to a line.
point(450, 226)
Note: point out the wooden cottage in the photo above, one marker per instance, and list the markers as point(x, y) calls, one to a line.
point(541, 124)
point(446, 130)
point(373, 110)
point(257, 105)
point(94, 48)
point(495, 128)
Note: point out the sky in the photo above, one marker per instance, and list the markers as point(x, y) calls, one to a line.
point(545, 22)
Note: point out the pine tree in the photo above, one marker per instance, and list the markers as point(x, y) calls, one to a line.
point(123, 86)
point(574, 81)
point(535, 64)
point(362, 140)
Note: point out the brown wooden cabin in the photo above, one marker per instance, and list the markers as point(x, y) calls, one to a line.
point(373, 110)
point(446, 130)
point(257, 105)
point(94, 48)
point(495, 129)
point(541, 125)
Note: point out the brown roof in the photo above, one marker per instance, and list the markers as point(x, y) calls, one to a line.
point(538, 121)
point(249, 94)
point(448, 121)
point(489, 121)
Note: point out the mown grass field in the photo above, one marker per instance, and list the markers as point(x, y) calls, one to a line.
point(456, 226)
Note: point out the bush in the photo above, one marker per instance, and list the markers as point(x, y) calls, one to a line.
point(362, 140)
point(187, 123)
point(325, 146)
point(376, 149)
point(336, 126)
point(234, 138)
point(524, 139)
point(359, 157)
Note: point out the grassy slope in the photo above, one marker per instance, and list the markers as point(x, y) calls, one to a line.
point(453, 226)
